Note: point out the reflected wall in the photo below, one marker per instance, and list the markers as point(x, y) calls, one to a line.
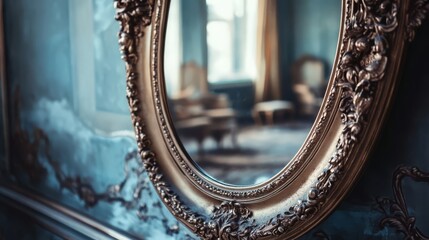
point(299, 29)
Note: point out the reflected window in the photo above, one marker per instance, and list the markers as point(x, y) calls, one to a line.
point(98, 71)
point(231, 40)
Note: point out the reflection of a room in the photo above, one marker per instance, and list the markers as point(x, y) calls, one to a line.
point(245, 80)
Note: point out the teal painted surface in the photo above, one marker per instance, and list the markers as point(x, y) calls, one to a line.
point(41, 48)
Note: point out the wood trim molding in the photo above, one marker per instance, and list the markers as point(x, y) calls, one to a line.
point(42, 209)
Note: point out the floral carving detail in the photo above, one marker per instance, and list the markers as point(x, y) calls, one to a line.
point(363, 59)
point(371, 20)
point(230, 221)
point(134, 16)
point(362, 65)
point(395, 211)
point(417, 15)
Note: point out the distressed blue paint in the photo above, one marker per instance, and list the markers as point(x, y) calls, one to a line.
point(39, 63)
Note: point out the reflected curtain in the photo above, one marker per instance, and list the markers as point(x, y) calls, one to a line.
point(268, 85)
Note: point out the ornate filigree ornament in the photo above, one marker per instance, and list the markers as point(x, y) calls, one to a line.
point(417, 14)
point(395, 211)
point(370, 49)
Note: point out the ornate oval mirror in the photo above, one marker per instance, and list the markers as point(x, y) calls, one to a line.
point(289, 201)
point(245, 80)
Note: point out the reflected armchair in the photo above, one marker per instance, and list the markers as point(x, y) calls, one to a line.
point(199, 114)
point(308, 76)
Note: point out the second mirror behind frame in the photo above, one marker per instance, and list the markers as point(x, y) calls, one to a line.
point(245, 80)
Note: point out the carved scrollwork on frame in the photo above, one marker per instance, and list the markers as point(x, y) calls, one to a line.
point(362, 65)
point(132, 26)
point(230, 220)
point(396, 211)
point(417, 14)
point(369, 30)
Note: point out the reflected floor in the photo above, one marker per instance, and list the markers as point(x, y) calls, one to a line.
point(261, 152)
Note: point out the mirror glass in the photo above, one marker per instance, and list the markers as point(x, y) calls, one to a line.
point(245, 80)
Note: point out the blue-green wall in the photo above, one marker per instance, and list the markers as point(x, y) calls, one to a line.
point(40, 63)
point(40, 47)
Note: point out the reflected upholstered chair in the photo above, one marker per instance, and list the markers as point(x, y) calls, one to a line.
point(308, 76)
point(200, 114)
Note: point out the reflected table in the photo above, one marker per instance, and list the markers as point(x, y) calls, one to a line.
point(269, 108)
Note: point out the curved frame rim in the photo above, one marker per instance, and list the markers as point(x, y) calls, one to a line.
point(362, 85)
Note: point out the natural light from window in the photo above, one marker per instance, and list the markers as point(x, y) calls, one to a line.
point(231, 40)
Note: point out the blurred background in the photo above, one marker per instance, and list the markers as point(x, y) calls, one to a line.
point(245, 80)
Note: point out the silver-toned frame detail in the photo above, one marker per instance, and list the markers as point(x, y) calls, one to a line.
point(373, 37)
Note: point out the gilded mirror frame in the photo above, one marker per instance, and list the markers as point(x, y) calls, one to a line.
point(373, 38)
